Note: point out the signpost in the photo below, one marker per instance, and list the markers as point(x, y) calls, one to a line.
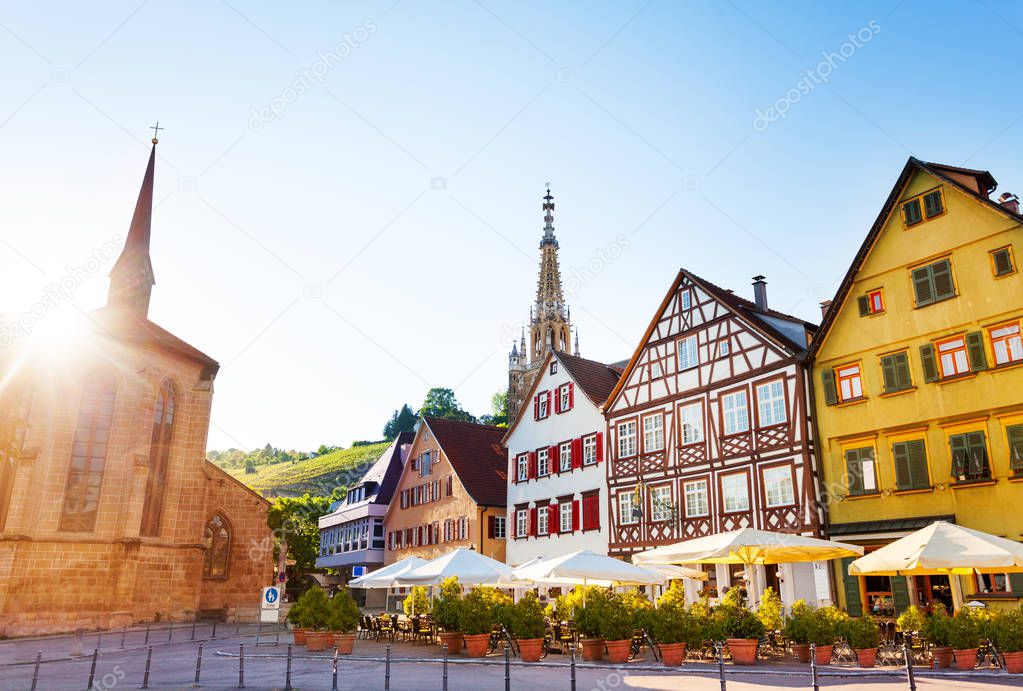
point(270, 611)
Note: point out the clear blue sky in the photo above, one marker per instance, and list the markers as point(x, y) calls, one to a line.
point(310, 253)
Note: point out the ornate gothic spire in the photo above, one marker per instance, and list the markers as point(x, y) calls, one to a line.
point(549, 321)
point(131, 279)
point(548, 219)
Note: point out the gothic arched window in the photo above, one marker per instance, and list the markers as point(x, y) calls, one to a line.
point(89, 453)
point(159, 452)
point(217, 540)
point(15, 403)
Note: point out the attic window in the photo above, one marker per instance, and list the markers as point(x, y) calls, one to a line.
point(1001, 262)
point(871, 303)
point(554, 367)
point(923, 207)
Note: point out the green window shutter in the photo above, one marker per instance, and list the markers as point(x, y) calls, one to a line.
point(888, 374)
point(928, 363)
point(918, 470)
point(911, 212)
point(932, 204)
point(852, 589)
point(978, 464)
point(864, 304)
point(1003, 262)
point(854, 470)
point(1015, 437)
point(941, 277)
point(960, 451)
point(828, 383)
point(900, 593)
point(975, 350)
point(1016, 583)
point(903, 474)
point(923, 286)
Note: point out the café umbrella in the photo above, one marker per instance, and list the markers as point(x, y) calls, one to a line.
point(386, 576)
point(587, 568)
point(469, 566)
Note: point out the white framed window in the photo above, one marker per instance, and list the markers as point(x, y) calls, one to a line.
point(627, 439)
point(735, 492)
point(543, 464)
point(628, 508)
point(565, 456)
point(590, 449)
point(735, 412)
point(655, 369)
point(554, 366)
point(653, 433)
point(542, 516)
point(688, 356)
point(850, 381)
point(565, 516)
point(522, 467)
point(697, 503)
point(565, 396)
point(687, 299)
point(543, 402)
point(952, 357)
point(691, 421)
point(660, 503)
point(778, 489)
point(724, 348)
point(771, 403)
point(521, 523)
point(425, 464)
point(1006, 343)
point(500, 529)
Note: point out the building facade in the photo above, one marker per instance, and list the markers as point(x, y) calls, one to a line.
point(109, 512)
point(917, 376)
point(557, 485)
point(708, 431)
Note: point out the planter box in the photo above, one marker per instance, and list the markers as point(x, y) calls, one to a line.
point(618, 651)
point(593, 649)
point(672, 654)
point(743, 650)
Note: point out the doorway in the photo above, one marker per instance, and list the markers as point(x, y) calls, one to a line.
point(931, 590)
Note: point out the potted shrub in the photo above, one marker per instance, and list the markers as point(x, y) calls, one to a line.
point(299, 621)
point(587, 620)
point(769, 611)
point(476, 620)
point(417, 602)
point(525, 622)
point(675, 629)
point(343, 620)
point(617, 626)
point(937, 629)
point(863, 637)
point(315, 615)
point(1007, 632)
point(965, 638)
point(824, 630)
point(743, 630)
point(799, 629)
point(447, 615)
point(911, 620)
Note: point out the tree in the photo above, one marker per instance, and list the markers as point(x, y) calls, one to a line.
point(442, 403)
point(403, 420)
point(297, 520)
point(498, 415)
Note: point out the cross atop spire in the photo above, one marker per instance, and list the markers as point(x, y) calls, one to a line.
point(156, 131)
point(131, 279)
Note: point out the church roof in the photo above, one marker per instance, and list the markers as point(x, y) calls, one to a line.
point(596, 379)
point(475, 453)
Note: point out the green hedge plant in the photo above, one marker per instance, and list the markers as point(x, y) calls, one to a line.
point(861, 633)
point(937, 628)
point(1007, 631)
point(448, 606)
point(673, 623)
point(477, 613)
point(342, 613)
point(417, 602)
point(619, 618)
point(524, 619)
point(965, 630)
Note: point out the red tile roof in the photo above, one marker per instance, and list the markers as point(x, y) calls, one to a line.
point(596, 379)
point(476, 454)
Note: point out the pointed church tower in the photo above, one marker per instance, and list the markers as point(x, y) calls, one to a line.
point(131, 279)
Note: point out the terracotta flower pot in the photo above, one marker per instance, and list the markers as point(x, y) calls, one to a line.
point(672, 654)
point(453, 639)
point(743, 650)
point(530, 649)
point(299, 635)
point(476, 644)
point(941, 657)
point(823, 654)
point(801, 651)
point(867, 657)
point(593, 649)
point(1014, 662)
point(317, 640)
point(966, 659)
point(618, 651)
point(344, 642)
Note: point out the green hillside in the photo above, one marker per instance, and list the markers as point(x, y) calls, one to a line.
point(317, 476)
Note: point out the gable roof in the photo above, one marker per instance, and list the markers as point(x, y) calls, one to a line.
point(387, 470)
point(947, 174)
point(759, 319)
point(475, 453)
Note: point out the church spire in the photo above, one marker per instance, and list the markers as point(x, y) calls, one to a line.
point(548, 219)
point(131, 279)
point(549, 322)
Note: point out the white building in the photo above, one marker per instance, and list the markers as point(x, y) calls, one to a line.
point(557, 483)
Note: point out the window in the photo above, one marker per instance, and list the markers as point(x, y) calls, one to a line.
point(217, 541)
point(564, 397)
point(522, 467)
point(655, 369)
point(628, 507)
point(735, 492)
point(771, 403)
point(778, 489)
point(850, 382)
point(993, 582)
point(554, 366)
point(565, 457)
point(871, 303)
point(969, 457)
point(735, 412)
point(660, 503)
point(696, 500)
point(933, 283)
point(653, 433)
point(923, 207)
point(425, 464)
point(627, 439)
point(911, 212)
point(542, 519)
point(1014, 435)
point(541, 405)
point(590, 449)
point(895, 372)
point(859, 466)
point(591, 511)
point(521, 523)
point(691, 421)
point(952, 357)
point(724, 348)
point(543, 464)
point(159, 452)
point(932, 204)
point(910, 465)
point(687, 354)
point(1006, 343)
point(500, 529)
point(450, 485)
point(88, 454)
point(1001, 262)
point(565, 517)
point(687, 299)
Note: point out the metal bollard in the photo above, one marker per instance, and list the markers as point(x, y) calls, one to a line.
point(241, 665)
point(907, 651)
point(124, 632)
point(287, 671)
point(170, 632)
point(145, 675)
point(35, 672)
point(214, 633)
point(237, 626)
point(333, 683)
point(146, 642)
point(198, 665)
point(571, 647)
point(99, 640)
point(720, 648)
point(76, 642)
point(444, 677)
point(92, 669)
point(507, 666)
point(193, 630)
point(813, 667)
point(387, 668)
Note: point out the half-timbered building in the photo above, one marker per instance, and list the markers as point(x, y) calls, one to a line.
point(708, 431)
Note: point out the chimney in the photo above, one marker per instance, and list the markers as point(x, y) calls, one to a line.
point(760, 292)
point(1010, 201)
point(825, 306)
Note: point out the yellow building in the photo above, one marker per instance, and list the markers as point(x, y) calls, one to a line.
point(918, 384)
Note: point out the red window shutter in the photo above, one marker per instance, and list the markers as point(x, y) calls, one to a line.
point(553, 458)
point(548, 395)
point(552, 519)
point(536, 407)
point(557, 400)
point(600, 447)
point(532, 465)
point(577, 453)
point(571, 395)
point(575, 515)
point(532, 521)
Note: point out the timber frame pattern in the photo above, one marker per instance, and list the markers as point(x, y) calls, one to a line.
point(739, 349)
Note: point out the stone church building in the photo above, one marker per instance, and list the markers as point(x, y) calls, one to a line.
point(109, 512)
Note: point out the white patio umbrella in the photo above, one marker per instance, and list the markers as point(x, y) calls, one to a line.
point(385, 577)
point(673, 571)
point(587, 568)
point(749, 547)
point(469, 566)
